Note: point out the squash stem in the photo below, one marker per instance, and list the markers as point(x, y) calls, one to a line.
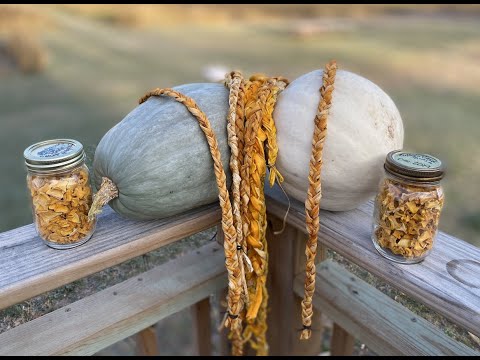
point(108, 191)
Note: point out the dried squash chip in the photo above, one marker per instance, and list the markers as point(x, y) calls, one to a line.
point(407, 217)
point(61, 203)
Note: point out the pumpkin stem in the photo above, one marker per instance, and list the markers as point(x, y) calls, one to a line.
point(108, 191)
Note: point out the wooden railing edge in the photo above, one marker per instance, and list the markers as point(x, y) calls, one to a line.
point(68, 268)
point(382, 324)
point(332, 234)
point(92, 323)
point(432, 282)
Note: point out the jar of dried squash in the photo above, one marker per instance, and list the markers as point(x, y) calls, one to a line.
point(58, 182)
point(407, 206)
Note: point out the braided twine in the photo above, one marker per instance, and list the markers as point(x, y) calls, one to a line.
point(312, 204)
point(234, 297)
point(250, 130)
point(252, 140)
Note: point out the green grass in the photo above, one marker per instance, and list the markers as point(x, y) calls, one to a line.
point(97, 72)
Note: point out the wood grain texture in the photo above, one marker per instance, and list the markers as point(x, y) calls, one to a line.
point(448, 280)
point(381, 323)
point(202, 327)
point(147, 344)
point(281, 318)
point(97, 321)
point(286, 260)
point(342, 342)
point(29, 268)
point(223, 344)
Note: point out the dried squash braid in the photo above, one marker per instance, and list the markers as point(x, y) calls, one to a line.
point(235, 126)
point(266, 138)
point(255, 130)
point(312, 204)
point(252, 140)
point(234, 298)
point(259, 133)
point(278, 84)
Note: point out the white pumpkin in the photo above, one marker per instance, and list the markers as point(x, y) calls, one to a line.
point(363, 126)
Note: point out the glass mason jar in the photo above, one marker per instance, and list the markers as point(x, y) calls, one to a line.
point(407, 206)
point(61, 195)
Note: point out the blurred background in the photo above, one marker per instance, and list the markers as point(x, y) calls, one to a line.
point(74, 71)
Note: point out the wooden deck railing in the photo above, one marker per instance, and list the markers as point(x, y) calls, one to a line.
point(447, 281)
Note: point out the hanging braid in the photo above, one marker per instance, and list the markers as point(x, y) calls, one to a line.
point(234, 298)
point(312, 204)
point(255, 131)
point(252, 140)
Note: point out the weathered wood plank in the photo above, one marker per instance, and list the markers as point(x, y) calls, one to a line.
point(447, 280)
point(29, 268)
point(147, 344)
point(223, 344)
point(381, 323)
point(342, 342)
point(202, 327)
point(281, 302)
point(287, 259)
point(95, 322)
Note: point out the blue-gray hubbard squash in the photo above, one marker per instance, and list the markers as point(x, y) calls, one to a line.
point(158, 156)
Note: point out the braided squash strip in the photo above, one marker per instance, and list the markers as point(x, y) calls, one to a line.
point(251, 106)
point(276, 85)
point(265, 98)
point(234, 81)
point(234, 299)
point(312, 204)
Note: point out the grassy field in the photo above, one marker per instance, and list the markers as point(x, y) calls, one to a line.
point(96, 72)
point(98, 67)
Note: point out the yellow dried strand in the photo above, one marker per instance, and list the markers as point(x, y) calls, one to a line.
point(251, 129)
point(247, 127)
point(256, 321)
point(234, 299)
point(252, 125)
point(258, 329)
point(312, 204)
point(265, 99)
point(244, 133)
point(277, 85)
point(268, 126)
point(255, 160)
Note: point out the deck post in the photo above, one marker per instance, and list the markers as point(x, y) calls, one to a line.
point(342, 342)
point(147, 344)
point(286, 259)
point(202, 327)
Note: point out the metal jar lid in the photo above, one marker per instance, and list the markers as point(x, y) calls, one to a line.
point(53, 156)
point(422, 168)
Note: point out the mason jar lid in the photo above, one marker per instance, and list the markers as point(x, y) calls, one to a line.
point(54, 155)
point(414, 167)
